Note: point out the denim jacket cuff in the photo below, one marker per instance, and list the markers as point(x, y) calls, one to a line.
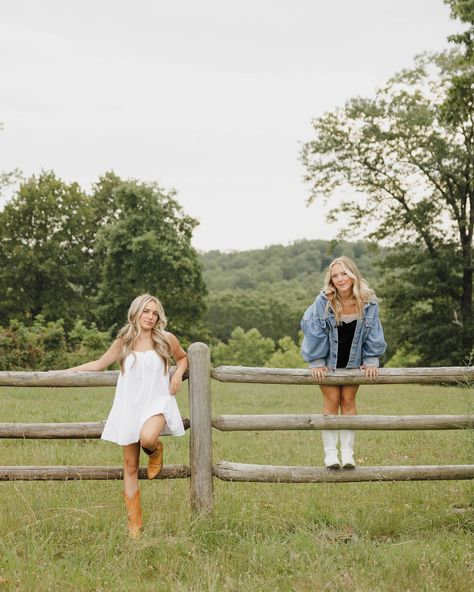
point(371, 362)
point(317, 363)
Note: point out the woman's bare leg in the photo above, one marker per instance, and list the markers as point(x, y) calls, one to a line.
point(149, 440)
point(348, 394)
point(131, 455)
point(151, 431)
point(331, 399)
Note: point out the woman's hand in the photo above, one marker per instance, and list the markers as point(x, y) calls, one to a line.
point(371, 372)
point(318, 374)
point(175, 383)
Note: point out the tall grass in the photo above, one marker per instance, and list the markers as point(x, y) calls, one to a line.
point(275, 537)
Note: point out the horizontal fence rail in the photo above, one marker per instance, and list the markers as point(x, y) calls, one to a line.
point(229, 471)
point(229, 423)
point(63, 378)
point(22, 473)
point(57, 431)
point(201, 470)
point(444, 375)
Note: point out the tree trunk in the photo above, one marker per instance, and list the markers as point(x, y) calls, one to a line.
point(466, 310)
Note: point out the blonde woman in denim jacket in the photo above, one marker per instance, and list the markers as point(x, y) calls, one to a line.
point(342, 329)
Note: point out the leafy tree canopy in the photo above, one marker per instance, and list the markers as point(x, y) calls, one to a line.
point(68, 255)
point(244, 349)
point(45, 245)
point(145, 246)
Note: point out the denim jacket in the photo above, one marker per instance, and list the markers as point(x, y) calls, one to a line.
point(320, 341)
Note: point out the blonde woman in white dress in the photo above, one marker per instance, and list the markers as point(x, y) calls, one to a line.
point(144, 406)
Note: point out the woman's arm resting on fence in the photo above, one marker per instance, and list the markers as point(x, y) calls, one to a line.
point(181, 358)
point(110, 356)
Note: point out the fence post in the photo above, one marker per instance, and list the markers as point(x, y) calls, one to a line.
point(201, 427)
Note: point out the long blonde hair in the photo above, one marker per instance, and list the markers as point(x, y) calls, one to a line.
point(130, 332)
point(360, 288)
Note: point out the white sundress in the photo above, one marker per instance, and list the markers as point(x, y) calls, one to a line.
point(143, 390)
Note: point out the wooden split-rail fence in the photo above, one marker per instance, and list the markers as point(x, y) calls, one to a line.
point(201, 469)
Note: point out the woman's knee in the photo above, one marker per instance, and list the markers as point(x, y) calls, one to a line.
point(131, 465)
point(151, 431)
point(331, 399)
point(148, 440)
point(348, 408)
point(348, 404)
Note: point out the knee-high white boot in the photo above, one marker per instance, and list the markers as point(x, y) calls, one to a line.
point(347, 448)
point(330, 438)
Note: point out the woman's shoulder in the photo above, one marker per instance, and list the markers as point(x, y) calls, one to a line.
point(321, 300)
point(371, 300)
point(317, 307)
point(170, 338)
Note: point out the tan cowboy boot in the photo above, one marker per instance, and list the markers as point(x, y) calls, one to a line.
point(134, 512)
point(155, 461)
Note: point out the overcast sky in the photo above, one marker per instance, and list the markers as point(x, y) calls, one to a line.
point(210, 97)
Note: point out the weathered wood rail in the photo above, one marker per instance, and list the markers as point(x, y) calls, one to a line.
point(450, 375)
point(228, 471)
point(85, 473)
point(57, 431)
point(230, 423)
point(201, 469)
point(58, 378)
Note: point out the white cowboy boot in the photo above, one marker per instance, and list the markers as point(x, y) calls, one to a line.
point(347, 448)
point(330, 438)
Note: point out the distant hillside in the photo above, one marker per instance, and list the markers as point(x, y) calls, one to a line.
point(270, 288)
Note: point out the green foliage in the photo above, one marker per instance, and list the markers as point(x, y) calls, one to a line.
point(421, 307)
point(301, 264)
point(71, 256)
point(45, 345)
point(404, 358)
point(287, 355)
point(85, 344)
point(464, 11)
point(39, 347)
point(45, 241)
point(146, 247)
point(275, 315)
point(244, 349)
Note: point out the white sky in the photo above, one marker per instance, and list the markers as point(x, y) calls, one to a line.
point(210, 97)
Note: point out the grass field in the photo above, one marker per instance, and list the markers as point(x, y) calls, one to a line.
point(266, 537)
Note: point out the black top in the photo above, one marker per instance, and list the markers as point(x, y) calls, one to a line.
point(345, 335)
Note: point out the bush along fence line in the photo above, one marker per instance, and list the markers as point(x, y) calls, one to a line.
point(201, 469)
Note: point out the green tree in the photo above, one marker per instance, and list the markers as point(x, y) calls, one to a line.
point(287, 355)
point(412, 164)
point(419, 311)
point(145, 246)
point(274, 315)
point(244, 349)
point(46, 240)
